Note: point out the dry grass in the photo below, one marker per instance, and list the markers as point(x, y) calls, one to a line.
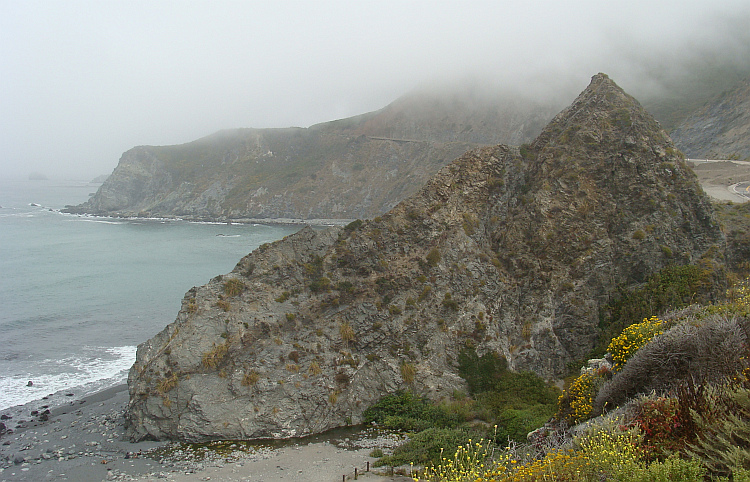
point(212, 358)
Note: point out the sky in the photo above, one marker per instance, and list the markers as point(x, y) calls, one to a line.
point(81, 82)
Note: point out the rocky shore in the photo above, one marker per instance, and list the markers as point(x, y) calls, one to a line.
point(63, 437)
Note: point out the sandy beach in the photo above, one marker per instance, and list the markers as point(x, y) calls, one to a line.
point(82, 440)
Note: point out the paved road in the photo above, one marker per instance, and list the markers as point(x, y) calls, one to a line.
point(703, 161)
point(741, 188)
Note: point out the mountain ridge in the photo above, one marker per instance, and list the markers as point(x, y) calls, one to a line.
point(350, 168)
point(720, 129)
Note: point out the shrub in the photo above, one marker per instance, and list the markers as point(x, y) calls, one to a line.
point(250, 378)
point(526, 151)
point(233, 287)
point(212, 358)
point(433, 257)
point(404, 408)
point(672, 287)
point(671, 469)
point(341, 378)
point(723, 442)
point(659, 421)
point(639, 234)
point(167, 384)
point(427, 447)
point(283, 297)
point(515, 424)
point(425, 292)
point(632, 339)
point(709, 352)
point(467, 463)
point(408, 372)
point(470, 223)
point(577, 403)
point(345, 286)
point(347, 332)
point(322, 284)
point(314, 368)
point(449, 302)
point(481, 373)
point(353, 226)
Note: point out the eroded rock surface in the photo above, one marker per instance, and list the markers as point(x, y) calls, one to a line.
point(503, 250)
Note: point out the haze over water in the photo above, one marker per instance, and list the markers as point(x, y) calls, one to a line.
point(78, 294)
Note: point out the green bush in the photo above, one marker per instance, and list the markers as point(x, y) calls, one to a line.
point(672, 469)
point(672, 287)
point(481, 373)
point(320, 285)
point(514, 424)
point(516, 402)
point(404, 410)
point(433, 257)
point(353, 226)
point(427, 447)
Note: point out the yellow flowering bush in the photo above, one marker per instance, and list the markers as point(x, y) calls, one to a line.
point(601, 451)
point(577, 402)
point(738, 301)
point(607, 451)
point(582, 395)
point(633, 338)
point(467, 464)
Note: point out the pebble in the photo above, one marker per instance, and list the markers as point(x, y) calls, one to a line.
point(93, 434)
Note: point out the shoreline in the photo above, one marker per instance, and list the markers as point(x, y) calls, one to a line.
point(83, 440)
point(264, 221)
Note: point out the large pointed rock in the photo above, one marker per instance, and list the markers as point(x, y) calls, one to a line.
point(504, 251)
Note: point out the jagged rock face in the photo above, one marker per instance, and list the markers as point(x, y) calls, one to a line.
point(504, 251)
point(720, 129)
point(351, 168)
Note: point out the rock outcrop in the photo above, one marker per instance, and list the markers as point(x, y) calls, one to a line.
point(351, 168)
point(720, 129)
point(503, 250)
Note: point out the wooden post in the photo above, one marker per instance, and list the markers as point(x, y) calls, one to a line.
point(368, 465)
point(355, 473)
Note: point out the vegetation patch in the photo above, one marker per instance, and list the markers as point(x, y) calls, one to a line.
point(233, 287)
point(212, 358)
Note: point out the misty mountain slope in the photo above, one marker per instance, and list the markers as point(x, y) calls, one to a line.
point(720, 129)
point(501, 251)
point(352, 168)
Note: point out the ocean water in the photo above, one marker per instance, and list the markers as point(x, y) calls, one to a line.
point(78, 294)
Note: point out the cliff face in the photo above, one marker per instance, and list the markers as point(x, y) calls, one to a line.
point(351, 168)
point(720, 129)
point(504, 251)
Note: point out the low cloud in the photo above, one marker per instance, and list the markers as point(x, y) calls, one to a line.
point(84, 81)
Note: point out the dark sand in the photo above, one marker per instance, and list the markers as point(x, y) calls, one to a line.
point(83, 441)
